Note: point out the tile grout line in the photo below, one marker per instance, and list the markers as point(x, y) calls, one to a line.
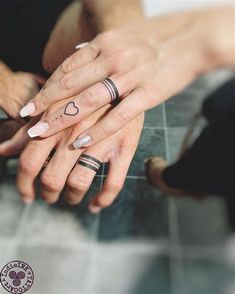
point(91, 277)
point(174, 254)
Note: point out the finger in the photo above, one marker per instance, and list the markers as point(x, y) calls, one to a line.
point(115, 120)
point(64, 160)
point(68, 85)
point(81, 177)
point(85, 54)
point(17, 143)
point(31, 162)
point(52, 181)
point(79, 107)
point(8, 128)
point(118, 168)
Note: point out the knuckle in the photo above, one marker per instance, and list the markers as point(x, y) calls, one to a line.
point(105, 38)
point(90, 97)
point(117, 60)
point(66, 66)
point(67, 81)
point(51, 183)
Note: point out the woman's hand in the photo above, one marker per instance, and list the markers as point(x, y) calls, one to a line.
point(118, 151)
point(16, 89)
point(148, 63)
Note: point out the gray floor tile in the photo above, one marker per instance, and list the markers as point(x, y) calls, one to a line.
point(138, 212)
point(175, 138)
point(41, 222)
point(181, 109)
point(152, 142)
point(208, 276)
point(154, 117)
point(202, 222)
point(126, 272)
point(56, 270)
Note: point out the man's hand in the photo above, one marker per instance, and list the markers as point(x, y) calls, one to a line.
point(81, 21)
point(118, 151)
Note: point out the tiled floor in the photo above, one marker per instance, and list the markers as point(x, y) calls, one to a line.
point(145, 243)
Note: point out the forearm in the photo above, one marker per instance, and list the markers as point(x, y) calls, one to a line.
point(109, 14)
point(205, 38)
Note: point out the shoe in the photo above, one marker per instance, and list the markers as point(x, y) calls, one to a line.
point(154, 167)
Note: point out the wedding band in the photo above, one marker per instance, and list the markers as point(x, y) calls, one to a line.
point(111, 87)
point(89, 162)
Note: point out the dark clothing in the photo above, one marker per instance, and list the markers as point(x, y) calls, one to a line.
point(25, 26)
point(209, 165)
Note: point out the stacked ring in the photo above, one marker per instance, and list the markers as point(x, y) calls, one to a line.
point(111, 87)
point(89, 162)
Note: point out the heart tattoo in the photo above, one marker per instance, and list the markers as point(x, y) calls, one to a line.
point(71, 109)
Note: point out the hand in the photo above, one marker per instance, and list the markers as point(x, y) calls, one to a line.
point(16, 89)
point(81, 21)
point(118, 150)
point(146, 67)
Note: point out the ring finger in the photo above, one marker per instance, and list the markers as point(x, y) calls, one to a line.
point(82, 106)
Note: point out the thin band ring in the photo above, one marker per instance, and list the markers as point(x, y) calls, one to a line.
point(89, 162)
point(111, 87)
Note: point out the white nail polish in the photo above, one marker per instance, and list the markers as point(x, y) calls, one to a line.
point(38, 130)
point(27, 109)
point(82, 45)
point(94, 208)
point(81, 141)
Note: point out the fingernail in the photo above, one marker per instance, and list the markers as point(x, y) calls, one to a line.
point(94, 208)
point(38, 130)
point(27, 200)
point(81, 141)
point(27, 109)
point(82, 45)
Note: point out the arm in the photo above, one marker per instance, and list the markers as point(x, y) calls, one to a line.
point(109, 14)
point(148, 62)
point(81, 21)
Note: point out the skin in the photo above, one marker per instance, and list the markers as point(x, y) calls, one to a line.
point(81, 21)
point(118, 148)
point(147, 68)
point(16, 89)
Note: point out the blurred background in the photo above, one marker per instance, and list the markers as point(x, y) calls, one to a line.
point(145, 243)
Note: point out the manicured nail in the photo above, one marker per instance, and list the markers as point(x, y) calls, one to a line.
point(81, 141)
point(94, 208)
point(28, 109)
point(27, 200)
point(39, 129)
point(82, 45)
